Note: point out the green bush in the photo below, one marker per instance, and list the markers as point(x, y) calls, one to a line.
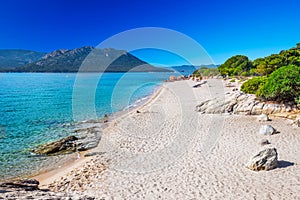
point(232, 80)
point(204, 71)
point(236, 65)
point(282, 85)
point(196, 73)
point(251, 86)
point(297, 100)
point(267, 65)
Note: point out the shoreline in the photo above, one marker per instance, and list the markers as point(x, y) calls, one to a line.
point(145, 100)
point(168, 150)
point(46, 176)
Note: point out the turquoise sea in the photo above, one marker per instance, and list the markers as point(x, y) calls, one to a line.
point(38, 107)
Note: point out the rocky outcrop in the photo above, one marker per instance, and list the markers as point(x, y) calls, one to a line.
point(42, 194)
point(62, 146)
point(241, 103)
point(217, 105)
point(266, 159)
point(28, 189)
point(267, 130)
point(86, 137)
point(22, 184)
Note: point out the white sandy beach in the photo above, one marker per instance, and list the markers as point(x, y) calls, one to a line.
point(167, 150)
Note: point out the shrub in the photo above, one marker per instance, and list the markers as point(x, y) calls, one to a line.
point(297, 100)
point(232, 80)
point(196, 73)
point(282, 85)
point(204, 71)
point(236, 65)
point(245, 73)
point(251, 86)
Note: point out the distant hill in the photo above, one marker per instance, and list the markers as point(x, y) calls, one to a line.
point(195, 66)
point(90, 59)
point(189, 69)
point(209, 66)
point(12, 58)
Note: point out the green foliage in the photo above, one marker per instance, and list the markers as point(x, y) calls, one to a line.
point(282, 71)
point(247, 73)
point(282, 85)
point(232, 80)
point(205, 71)
point(251, 86)
point(241, 65)
point(267, 65)
point(297, 100)
point(236, 65)
point(196, 73)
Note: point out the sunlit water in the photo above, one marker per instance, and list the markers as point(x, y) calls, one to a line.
point(38, 107)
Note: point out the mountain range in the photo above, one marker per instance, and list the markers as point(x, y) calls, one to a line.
point(12, 58)
point(84, 59)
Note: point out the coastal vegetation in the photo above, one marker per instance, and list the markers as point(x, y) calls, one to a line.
point(267, 65)
point(282, 85)
point(277, 77)
point(240, 65)
point(251, 86)
point(236, 66)
point(206, 71)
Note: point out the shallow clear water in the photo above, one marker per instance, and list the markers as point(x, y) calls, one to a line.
point(39, 107)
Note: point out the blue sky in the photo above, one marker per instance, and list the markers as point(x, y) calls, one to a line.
point(224, 28)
